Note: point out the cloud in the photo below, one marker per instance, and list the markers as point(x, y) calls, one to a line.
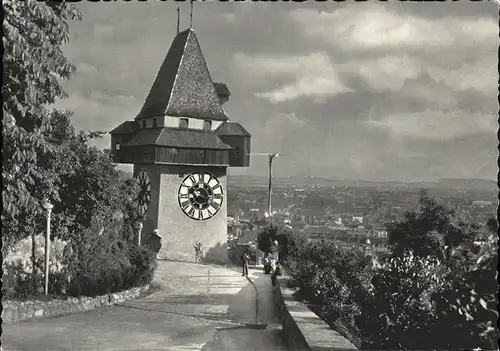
point(85, 68)
point(385, 73)
point(100, 112)
point(477, 75)
point(370, 26)
point(229, 18)
point(436, 125)
point(390, 49)
point(303, 81)
point(284, 132)
point(315, 75)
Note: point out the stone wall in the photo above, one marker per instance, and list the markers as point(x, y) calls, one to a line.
point(15, 311)
point(302, 328)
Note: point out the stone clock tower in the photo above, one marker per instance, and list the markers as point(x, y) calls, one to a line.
point(181, 144)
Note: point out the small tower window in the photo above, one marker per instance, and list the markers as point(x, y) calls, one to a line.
point(207, 125)
point(143, 123)
point(155, 123)
point(117, 146)
point(183, 123)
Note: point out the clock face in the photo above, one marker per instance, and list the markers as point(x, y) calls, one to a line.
point(144, 196)
point(200, 195)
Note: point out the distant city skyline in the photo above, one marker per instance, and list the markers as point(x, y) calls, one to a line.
point(362, 91)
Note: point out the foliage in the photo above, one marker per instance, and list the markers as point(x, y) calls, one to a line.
point(105, 264)
point(439, 280)
point(18, 280)
point(334, 280)
point(44, 158)
point(289, 243)
point(33, 65)
point(414, 301)
point(266, 237)
point(431, 228)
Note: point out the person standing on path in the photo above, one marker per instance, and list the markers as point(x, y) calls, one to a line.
point(154, 242)
point(244, 261)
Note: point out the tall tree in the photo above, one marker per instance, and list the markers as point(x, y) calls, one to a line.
point(431, 229)
point(33, 67)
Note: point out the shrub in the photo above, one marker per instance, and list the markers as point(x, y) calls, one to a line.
point(143, 265)
point(289, 243)
point(20, 280)
point(399, 308)
point(106, 264)
point(416, 300)
point(334, 281)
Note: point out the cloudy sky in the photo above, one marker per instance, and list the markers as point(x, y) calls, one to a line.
point(375, 91)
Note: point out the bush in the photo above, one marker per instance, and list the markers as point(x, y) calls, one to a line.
point(143, 265)
point(415, 301)
point(105, 264)
point(419, 295)
point(435, 290)
point(20, 280)
point(399, 309)
point(334, 281)
point(289, 243)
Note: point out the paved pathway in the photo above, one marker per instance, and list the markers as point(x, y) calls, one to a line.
point(198, 308)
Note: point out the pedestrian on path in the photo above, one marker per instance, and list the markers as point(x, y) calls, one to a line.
point(276, 272)
point(154, 242)
point(244, 261)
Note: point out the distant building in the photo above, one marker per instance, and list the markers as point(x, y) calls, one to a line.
point(247, 237)
point(359, 219)
point(482, 203)
point(379, 232)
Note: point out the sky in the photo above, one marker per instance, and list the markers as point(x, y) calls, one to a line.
point(393, 91)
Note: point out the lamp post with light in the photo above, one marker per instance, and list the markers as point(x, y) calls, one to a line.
point(48, 206)
point(139, 233)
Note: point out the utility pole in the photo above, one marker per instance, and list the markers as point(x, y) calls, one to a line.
point(271, 156)
point(191, 15)
point(178, 18)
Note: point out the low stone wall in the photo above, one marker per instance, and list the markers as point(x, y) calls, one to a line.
point(15, 311)
point(302, 328)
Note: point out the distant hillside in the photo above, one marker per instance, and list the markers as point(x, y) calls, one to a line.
point(448, 183)
point(445, 183)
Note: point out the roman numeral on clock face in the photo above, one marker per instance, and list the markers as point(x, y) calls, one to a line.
point(185, 205)
point(193, 179)
point(217, 196)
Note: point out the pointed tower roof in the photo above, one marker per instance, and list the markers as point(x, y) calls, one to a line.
point(183, 86)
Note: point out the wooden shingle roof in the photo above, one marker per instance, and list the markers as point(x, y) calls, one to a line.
point(183, 86)
point(126, 127)
point(222, 89)
point(181, 138)
point(231, 128)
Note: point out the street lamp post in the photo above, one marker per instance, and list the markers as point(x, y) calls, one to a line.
point(48, 206)
point(139, 231)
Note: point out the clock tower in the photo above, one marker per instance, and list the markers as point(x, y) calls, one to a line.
point(181, 144)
